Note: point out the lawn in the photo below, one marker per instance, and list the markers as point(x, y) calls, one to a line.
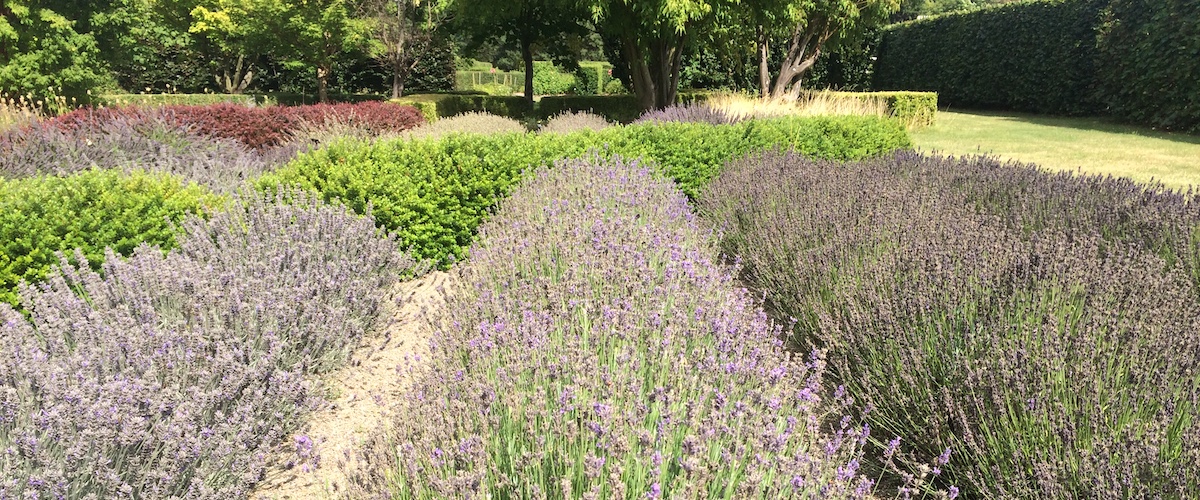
point(1087, 144)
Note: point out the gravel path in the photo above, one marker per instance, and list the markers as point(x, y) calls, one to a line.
point(364, 392)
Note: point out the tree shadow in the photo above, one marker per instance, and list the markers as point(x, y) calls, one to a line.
point(1099, 124)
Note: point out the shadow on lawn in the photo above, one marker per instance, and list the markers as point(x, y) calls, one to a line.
point(1092, 123)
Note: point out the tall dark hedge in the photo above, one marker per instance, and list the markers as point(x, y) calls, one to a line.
point(1149, 62)
point(1037, 56)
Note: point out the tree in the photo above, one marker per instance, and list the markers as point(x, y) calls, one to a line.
point(42, 56)
point(652, 35)
point(321, 30)
point(532, 24)
point(812, 26)
point(402, 34)
point(232, 32)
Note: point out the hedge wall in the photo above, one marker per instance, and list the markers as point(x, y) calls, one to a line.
point(442, 105)
point(1149, 62)
point(1036, 56)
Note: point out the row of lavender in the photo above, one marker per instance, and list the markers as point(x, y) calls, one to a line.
point(219, 146)
point(600, 350)
point(173, 374)
point(1042, 326)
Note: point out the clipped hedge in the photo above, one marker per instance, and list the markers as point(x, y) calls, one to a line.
point(1031, 56)
point(184, 99)
point(1149, 66)
point(435, 193)
point(89, 210)
point(434, 106)
point(618, 108)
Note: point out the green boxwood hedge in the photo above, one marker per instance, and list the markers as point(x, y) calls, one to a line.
point(89, 210)
point(435, 193)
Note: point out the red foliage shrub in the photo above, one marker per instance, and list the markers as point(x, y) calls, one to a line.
point(258, 128)
point(374, 116)
point(93, 117)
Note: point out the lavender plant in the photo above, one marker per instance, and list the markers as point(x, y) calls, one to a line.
point(172, 375)
point(151, 141)
point(1054, 353)
point(600, 351)
point(688, 113)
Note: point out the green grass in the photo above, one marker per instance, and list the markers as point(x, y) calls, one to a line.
point(1089, 145)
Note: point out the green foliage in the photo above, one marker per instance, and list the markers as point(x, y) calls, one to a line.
point(587, 81)
point(434, 193)
point(90, 211)
point(549, 80)
point(615, 87)
point(1036, 56)
point(434, 72)
point(618, 108)
point(494, 89)
point(43, 57)
point(1149, 66)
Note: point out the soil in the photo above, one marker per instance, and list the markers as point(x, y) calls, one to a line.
point(362, 394)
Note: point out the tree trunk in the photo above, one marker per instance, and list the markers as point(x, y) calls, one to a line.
point(800, 58)
point(764, 66)
point(527, 57)
point(323, 83)
point(397, 84)
point(639, 71)
point(237, 81)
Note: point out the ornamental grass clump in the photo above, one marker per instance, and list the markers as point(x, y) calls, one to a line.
point(475, 122)
point(174, 374)
point(1055, 355)
point(598, 349)
point(568, 122)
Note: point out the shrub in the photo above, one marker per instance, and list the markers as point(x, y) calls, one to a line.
point(467, 123)
point(173, 375)
point(434, 194)
point(1148, 59)
point(587, 81)
point(615, 87)
point(977, 308)
point(621, 109)
point(549, 80)
point(1029, 56)
point(91, 211)
point(599, 350)
point(573, 122)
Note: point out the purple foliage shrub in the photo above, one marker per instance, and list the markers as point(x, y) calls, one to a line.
point(149, 141)
point(173, 375)
point(1044, 341)
point(695, 112)
point(599, 350)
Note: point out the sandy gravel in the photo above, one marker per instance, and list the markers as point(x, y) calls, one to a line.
point(363, 392)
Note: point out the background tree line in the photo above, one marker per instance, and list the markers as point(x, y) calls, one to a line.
point(773, 47)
